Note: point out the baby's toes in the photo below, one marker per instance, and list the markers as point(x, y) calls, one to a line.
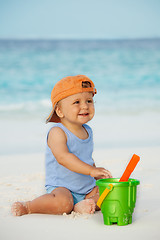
point(92, 205)
point(19, 209)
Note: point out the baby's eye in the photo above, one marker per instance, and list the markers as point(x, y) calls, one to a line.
point(89, 101)
point(76, 102)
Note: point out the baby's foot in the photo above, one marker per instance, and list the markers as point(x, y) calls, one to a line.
point(19, 209)
point(85, 206)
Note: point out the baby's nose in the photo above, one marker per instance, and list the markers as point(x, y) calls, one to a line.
point(84, 105)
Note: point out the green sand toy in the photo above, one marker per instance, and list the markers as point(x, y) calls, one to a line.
point(118, 205)
point(118, 196)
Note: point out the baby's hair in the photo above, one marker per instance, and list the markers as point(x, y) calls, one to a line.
point(86, 84)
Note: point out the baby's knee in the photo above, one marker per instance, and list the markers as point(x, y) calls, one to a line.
point(63, 204)
point(67, 205)
point(62, 201)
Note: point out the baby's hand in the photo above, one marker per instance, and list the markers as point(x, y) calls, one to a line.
point(99, 173)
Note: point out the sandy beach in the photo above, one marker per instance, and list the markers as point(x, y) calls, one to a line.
point(22, 178)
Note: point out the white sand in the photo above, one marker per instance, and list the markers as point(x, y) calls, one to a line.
point(22, 178)
point(116, 138)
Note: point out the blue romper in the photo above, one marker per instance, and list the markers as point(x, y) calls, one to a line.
point(59, 176)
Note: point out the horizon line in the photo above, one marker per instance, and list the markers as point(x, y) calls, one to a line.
point(76, 39)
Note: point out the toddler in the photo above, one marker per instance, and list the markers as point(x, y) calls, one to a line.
point(70, 169)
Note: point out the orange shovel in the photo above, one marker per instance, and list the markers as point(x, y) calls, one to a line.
point(130, 167)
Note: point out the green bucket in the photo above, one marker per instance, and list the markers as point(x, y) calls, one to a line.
point(117, 200)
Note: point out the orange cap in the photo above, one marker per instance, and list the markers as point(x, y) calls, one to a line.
point(66, 87)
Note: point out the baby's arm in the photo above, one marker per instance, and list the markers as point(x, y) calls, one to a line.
point(57, 141)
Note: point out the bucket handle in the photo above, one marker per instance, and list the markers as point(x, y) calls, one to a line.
point(103, 195)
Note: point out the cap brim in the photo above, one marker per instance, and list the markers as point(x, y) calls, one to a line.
point(53, 117)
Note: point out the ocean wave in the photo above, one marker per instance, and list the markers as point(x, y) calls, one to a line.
point(29, 106)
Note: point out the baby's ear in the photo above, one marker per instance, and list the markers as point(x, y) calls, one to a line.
point(59, 112)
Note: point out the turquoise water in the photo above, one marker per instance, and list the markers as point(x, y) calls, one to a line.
point(126, 73)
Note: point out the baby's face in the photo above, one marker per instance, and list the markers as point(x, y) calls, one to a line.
point(77, 108)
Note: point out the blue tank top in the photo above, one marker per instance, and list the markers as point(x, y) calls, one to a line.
point(59, 176)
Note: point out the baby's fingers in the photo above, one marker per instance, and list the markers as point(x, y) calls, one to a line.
point(108, 174)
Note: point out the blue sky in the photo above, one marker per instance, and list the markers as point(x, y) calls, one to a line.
point(79, 19)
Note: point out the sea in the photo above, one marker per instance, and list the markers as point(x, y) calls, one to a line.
point(126, 74)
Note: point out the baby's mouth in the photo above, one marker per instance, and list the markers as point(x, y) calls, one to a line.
point(83, 114)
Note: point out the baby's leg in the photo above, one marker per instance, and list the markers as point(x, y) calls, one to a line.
point(94, 195)
point(88, 205)
point(59, 201)
point(85, 206)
